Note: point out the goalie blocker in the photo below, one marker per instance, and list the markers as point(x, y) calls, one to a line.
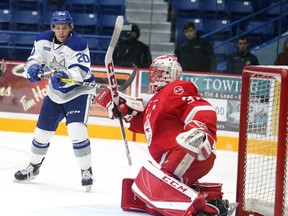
point(128, 106)
point(157, 193)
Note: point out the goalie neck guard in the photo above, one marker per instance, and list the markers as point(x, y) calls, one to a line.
point(163, 70)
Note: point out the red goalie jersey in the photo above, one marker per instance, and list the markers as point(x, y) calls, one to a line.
point(180, 128)
point(164, 118)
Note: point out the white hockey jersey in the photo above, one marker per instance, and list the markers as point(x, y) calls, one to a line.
point(72, 57)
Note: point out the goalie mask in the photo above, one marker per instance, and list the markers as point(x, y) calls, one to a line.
point(163, 70)
point(61, 17)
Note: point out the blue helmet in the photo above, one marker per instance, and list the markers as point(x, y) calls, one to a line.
point(61, 17)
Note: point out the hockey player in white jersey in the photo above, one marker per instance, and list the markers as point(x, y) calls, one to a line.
point(63, 53)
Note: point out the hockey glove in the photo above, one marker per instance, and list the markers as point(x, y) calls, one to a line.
point(33, 73)
point(56, 79)
point(195, 140)
point(128, 106)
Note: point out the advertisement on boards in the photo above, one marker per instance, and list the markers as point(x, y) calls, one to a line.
point(223, 92)
point(18, 95)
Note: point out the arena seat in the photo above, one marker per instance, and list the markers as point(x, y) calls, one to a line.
point(106, 24)
point(187, 8)
point(85, 23)
point(5, 19)
point(82, 6)
point(25, 20)
point(215, 9)
point(113, 7)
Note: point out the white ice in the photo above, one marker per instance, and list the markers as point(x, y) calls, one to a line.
point(57, 190)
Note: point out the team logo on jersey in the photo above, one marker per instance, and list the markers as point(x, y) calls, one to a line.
point(148, 132)
point(55, 65)
point(178, 90)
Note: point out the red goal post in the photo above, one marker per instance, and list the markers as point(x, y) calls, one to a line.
point(262, 176)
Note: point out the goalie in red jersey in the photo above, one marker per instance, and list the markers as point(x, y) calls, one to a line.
point(180, 128)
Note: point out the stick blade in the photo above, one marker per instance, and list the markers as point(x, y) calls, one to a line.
point(115, 36)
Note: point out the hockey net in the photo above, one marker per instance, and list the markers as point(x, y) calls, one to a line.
point(262, 180)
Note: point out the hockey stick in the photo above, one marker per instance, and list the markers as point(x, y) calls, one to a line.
point(113, 82)
point(121, 88)
point(2, 68)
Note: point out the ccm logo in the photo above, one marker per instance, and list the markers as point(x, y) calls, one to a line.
point(112, 80)
point(174, 184)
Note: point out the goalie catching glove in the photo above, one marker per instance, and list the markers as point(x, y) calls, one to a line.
point(128, 106)
point(196, 140)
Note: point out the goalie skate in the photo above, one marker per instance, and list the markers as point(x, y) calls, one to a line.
point(87, 179)
point(28, 173)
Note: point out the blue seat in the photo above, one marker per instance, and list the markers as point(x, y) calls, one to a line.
point(34, 5)
point(106, 24)
point(53, 5)
point(26, 40)
point(85, 23)
point(263, 29)
point(221, 25)
point(5, 19)
point(186, 8)
point(4, 4)
point(104, 43)
point(213, 25)
point(45, 22)
point(239, 8)
point(5, 39)
point(93, 43)
point(82, 6)
point(5, 42)
point(23, 44)
point(24, 20)
point(277, 8)
point(215, 9)
point(114, 7)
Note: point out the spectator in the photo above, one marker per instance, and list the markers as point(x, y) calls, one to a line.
point(196, 54)
point(282, 57)
point(238, 60)
point(130, 51)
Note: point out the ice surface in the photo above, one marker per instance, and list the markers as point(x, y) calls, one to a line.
point(57, 190)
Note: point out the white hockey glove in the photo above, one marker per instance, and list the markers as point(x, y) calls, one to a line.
point(195, 141)
point(128, 106)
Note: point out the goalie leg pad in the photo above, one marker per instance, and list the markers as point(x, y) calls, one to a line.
point(129, 201)
point(165, 194)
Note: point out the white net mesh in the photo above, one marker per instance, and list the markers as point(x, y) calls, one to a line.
point(262, 120)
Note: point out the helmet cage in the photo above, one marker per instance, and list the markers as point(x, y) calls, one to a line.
point(163, 70)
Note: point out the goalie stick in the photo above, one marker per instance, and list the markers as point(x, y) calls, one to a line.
point(2, 68)
point(113, 82)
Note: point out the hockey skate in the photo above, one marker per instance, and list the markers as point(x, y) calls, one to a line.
point(28, 173)
point(87, 179)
